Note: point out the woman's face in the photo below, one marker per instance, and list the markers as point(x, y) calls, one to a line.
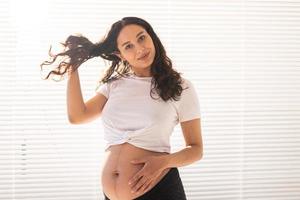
point(137, 48)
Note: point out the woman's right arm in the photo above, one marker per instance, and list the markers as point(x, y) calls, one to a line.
point(80, 112)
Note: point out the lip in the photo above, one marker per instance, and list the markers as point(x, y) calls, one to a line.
point(144, 56)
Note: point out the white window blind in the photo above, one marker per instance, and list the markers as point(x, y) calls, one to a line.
point(242, 56)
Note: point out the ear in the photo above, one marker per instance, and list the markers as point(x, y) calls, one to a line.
point(119, 55)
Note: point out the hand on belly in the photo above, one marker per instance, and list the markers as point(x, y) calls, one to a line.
point(116, 186)
point(152, 167)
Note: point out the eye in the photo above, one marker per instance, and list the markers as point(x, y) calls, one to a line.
point(142, 37)
point(128, 46)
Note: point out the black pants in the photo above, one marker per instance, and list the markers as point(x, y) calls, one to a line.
point(168, 188)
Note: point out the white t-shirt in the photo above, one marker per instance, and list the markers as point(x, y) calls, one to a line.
point(131, 115)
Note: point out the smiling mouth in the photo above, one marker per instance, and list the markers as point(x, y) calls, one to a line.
point(143, 57)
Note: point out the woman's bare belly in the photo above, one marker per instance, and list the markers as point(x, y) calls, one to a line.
point(117, 171)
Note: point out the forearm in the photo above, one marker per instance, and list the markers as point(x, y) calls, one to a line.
point(75, 103)
point(183, 157)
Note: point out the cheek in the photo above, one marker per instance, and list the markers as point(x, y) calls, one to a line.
point(151, 44)
point(153, 48)
point(128, 55)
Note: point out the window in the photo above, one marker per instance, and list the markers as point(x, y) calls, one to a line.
point(243, 57)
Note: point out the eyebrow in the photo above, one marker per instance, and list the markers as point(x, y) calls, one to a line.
point(136, 36)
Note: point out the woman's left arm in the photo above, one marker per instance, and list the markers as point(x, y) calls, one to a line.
point(194, 146)
point(156, 164)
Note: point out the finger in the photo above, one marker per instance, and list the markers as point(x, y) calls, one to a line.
point(136, 177)
point(139, 184)
point(134, 180)
point(146, 186)
point(141, 188)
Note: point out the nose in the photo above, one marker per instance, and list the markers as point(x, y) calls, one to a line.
point(140, 49)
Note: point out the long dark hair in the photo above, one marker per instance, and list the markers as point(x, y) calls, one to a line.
point(166, 80)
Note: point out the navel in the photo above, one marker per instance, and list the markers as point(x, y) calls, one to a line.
point(116, 173)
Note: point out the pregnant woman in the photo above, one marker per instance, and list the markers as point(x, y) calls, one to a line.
point(141, 99)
